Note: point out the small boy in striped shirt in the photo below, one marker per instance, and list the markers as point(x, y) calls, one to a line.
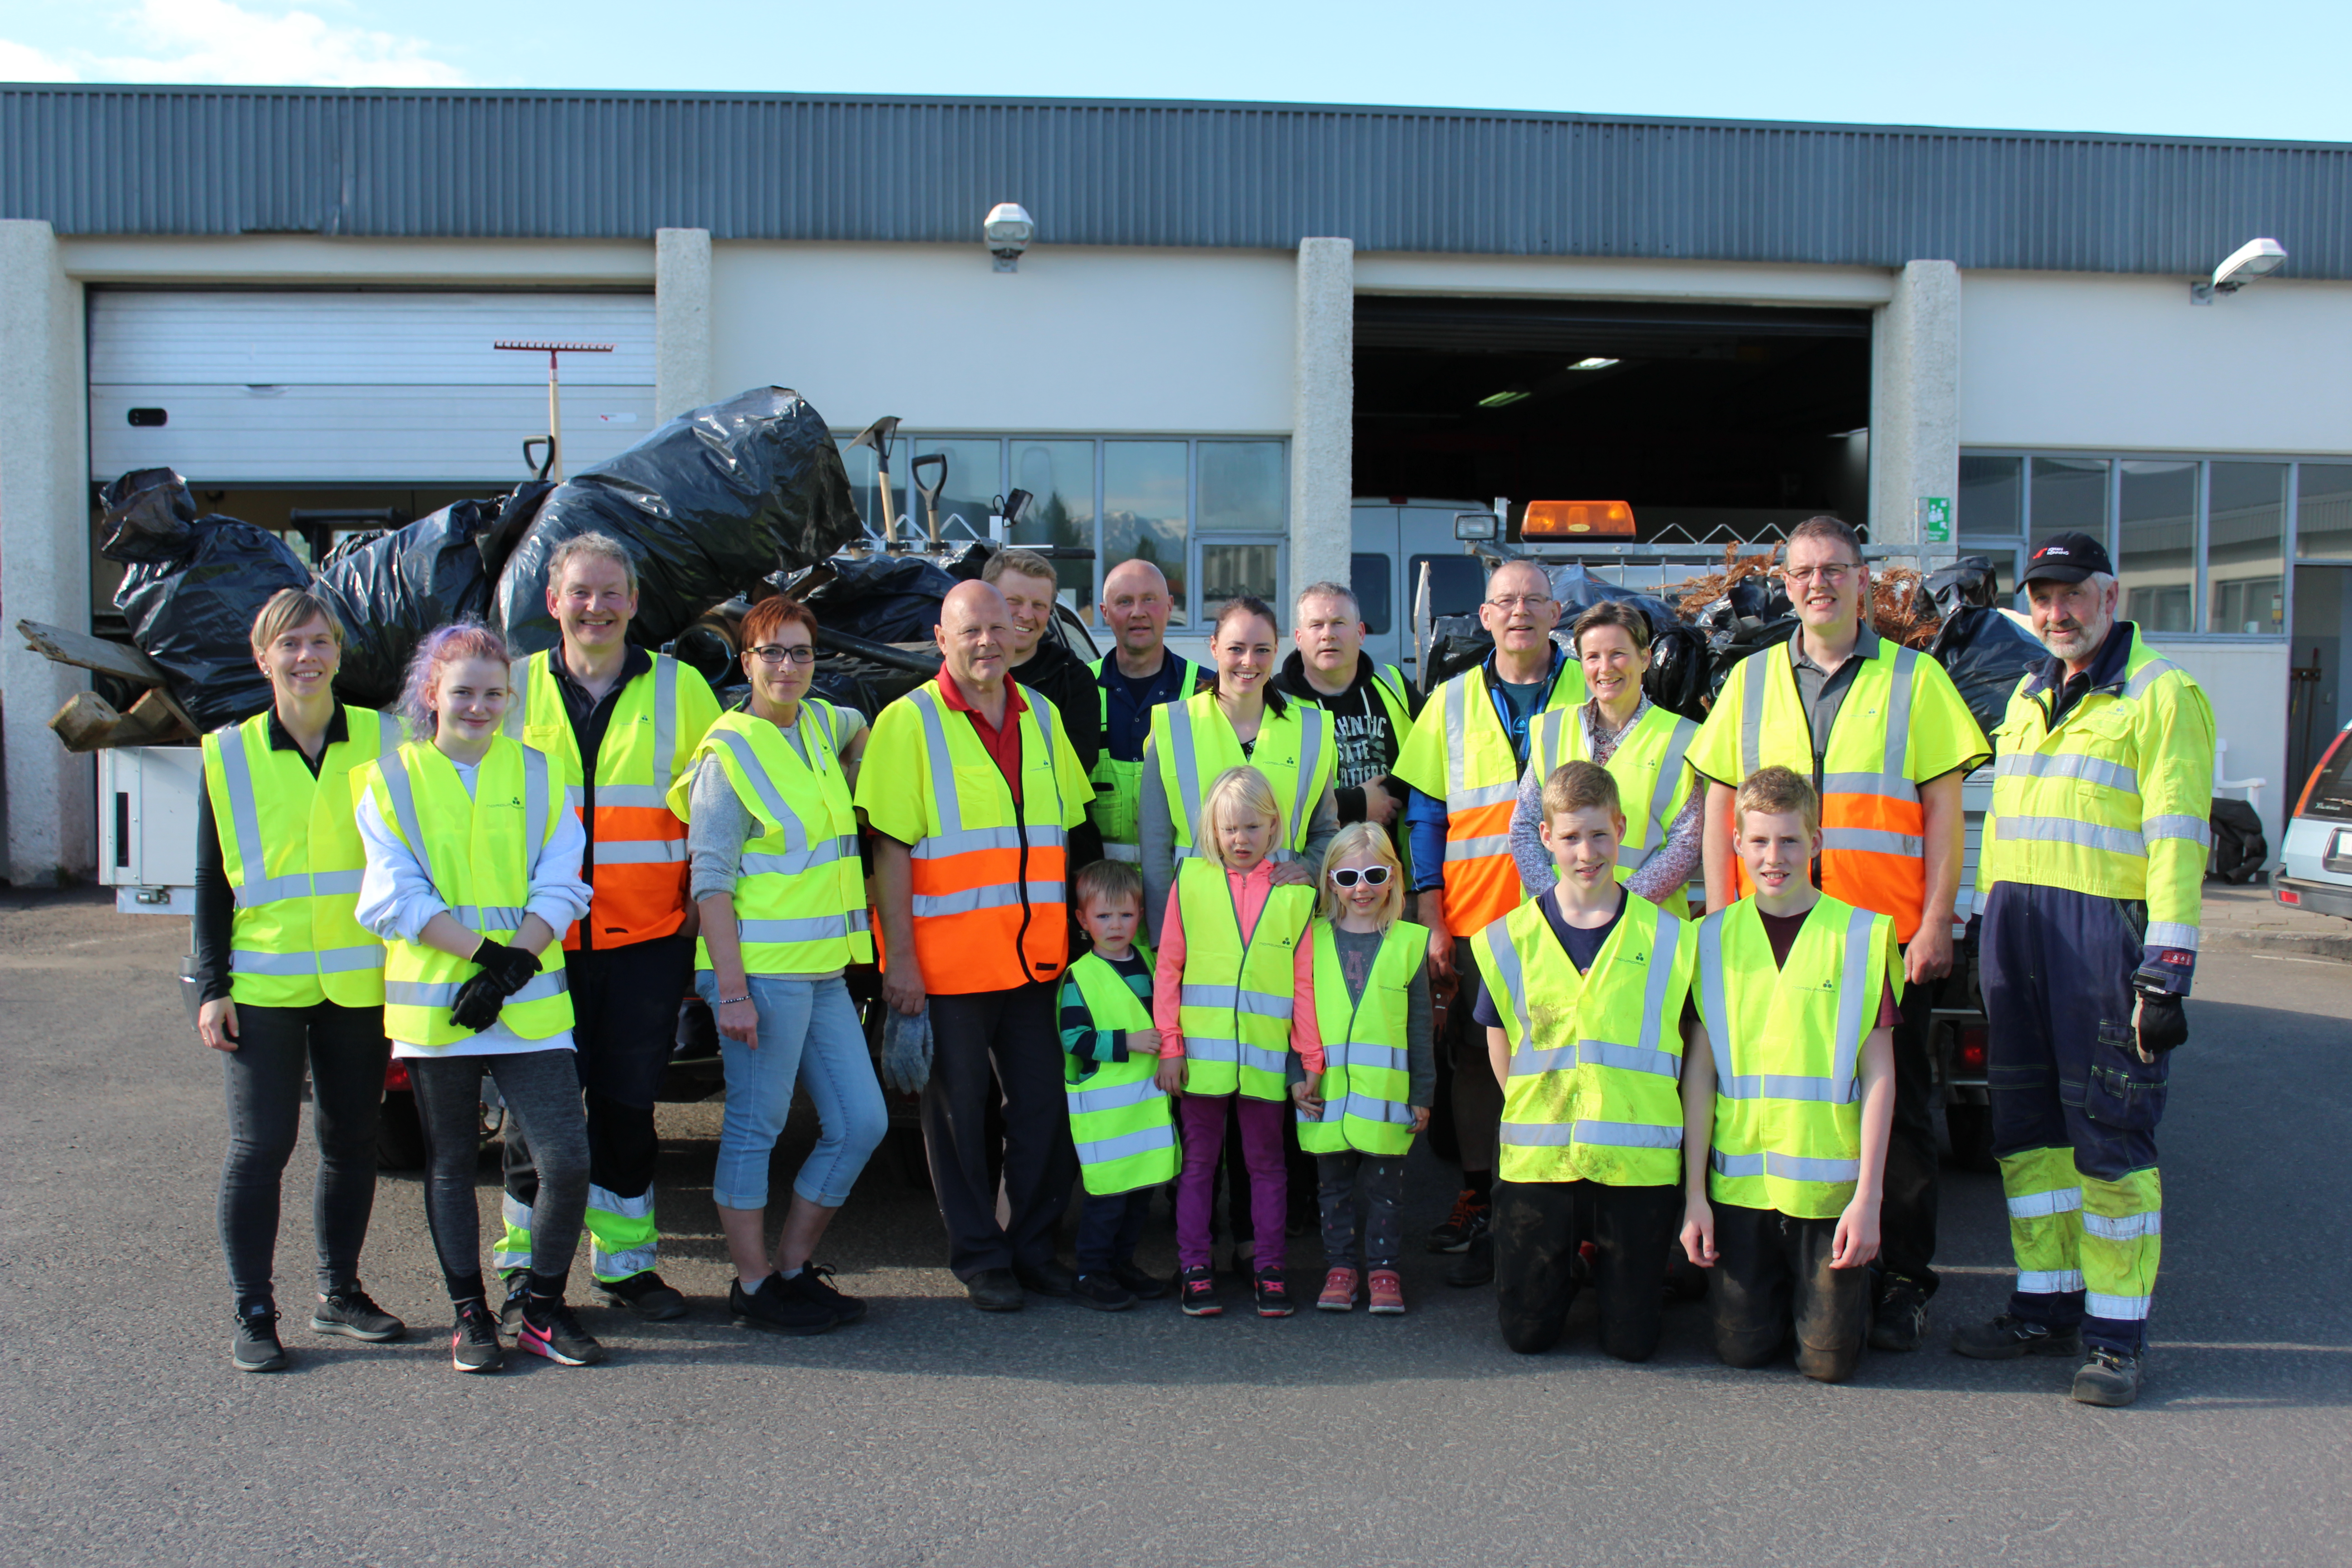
point(1120, 1116)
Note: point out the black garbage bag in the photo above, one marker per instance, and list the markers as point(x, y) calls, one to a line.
point(707, 505)
point(1760, 597)
point(194, 615)
point(516, 514)
point(1577, 590)
point(392, 589)
point(2239, 849)
point(1737, 637)
point(1456, 642)
point(1985, 653)
point(1970, 580)
point(967, 564)
point(148, 516)
point(1682, 671)
point(882, 598)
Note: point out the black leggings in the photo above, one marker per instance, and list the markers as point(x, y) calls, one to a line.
point(542, 1091)
point(1539, 1227)
point(345, 1048)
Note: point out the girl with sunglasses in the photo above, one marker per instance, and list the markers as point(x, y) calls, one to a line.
point(1370, 1024)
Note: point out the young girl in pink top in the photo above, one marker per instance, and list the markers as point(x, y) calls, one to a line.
point(1233, 975)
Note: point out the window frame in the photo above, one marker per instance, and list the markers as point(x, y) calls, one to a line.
point(1971, 544)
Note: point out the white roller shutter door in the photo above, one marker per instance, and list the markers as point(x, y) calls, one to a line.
point(358, 388)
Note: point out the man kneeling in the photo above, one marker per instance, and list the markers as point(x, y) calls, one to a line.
point(1588, 1054)
point(1785, 1151)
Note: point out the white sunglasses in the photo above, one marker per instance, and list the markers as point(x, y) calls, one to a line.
point(1374, 876)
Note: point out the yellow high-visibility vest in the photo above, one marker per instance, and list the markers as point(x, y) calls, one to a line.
point(290, 848)
point(800, 898)
point(1653, 782)
point(478, 849)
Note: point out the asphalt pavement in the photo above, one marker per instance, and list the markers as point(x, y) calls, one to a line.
point(932, 1434)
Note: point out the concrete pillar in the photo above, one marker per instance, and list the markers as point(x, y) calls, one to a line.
point(1915, 402)
point(681, 321)
point(43, 554)
point(1323, 413)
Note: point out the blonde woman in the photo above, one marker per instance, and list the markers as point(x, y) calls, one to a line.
point(1370, 1025)
point(1233, 976)
point(287, 978)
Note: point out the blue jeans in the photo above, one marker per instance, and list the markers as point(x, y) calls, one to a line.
point(808, 1034)
point(1109, 1229)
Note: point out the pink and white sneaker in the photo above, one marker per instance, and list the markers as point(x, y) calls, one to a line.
point(1339, 1291)
point(1388, 1293)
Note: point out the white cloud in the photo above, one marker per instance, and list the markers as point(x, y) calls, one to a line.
point(22, 62)
point(220, 41)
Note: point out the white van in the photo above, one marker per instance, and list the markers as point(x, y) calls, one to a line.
point(1394, 538)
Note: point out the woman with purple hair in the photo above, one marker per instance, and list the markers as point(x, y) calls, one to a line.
point(473, 868)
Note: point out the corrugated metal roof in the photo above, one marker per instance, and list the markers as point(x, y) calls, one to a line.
point(120, 160)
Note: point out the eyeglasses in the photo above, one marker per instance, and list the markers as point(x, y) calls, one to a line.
point(1372, 877)
point(1833, 575)
point(1510, 602)
point(777, 652)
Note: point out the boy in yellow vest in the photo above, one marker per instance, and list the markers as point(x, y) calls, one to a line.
point(1121, 1113)
point(1584, 1018)
point(1788, 1095)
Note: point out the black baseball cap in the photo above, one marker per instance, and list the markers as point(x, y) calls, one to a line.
point(2066, 558)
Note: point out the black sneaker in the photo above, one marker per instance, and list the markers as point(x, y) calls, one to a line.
point(474, 1344)
point(518, 1286)
point(1103, 1292)
point(2107, 1377)
point(776, 1309)
point(1196, 1291)
point(549, 1329)
point(1477, 1264)
point(644, 1294)
point(2006, 1338)
point(814, 1283)
point(351, 1313)
point(1900, 1319)
point(255, 1346)
point(1273, 1294)
point(1147, 1286)
point(1464, 1225)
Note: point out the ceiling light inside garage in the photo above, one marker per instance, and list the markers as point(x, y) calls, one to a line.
point(1593, 362)
point(1502, 399)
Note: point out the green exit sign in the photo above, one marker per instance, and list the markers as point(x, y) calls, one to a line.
point(1935, 520)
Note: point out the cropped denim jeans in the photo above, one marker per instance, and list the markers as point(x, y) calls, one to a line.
point(809, 1035)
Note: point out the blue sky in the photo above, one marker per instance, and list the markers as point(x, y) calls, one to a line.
point(2154, 67)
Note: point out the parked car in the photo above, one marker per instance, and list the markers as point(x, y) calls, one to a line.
point(2315, 862)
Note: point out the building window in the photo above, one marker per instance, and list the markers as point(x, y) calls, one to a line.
point(1188, 505)
point(2201, 545)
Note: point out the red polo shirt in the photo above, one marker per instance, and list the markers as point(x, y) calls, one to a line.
point(1003, 744)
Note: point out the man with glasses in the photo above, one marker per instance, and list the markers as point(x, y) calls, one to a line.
point(1462, 764)
point(2092, 870)
point(1884, 736)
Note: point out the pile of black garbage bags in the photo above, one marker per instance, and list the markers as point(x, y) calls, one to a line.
point(710, 504)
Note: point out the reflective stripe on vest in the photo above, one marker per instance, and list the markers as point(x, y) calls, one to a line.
point(636, 855)
point(295, 938)
point(1787, 1137)
point(1235, 1009)
point(1197, 744)
point(2116, 802)
point(1603, 1103)
point(1654, 785)
point(1123, 1124)
point(485, 848)
point(1366, 1083)
point(988, 899)
point(1874, 828)
point(800, 894)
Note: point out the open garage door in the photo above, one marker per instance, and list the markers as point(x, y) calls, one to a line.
point(1703, 417)
point(337, 388)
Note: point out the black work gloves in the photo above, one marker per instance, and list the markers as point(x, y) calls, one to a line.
point(511, 967)
point(478, 1001)
point(2160, 1023)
